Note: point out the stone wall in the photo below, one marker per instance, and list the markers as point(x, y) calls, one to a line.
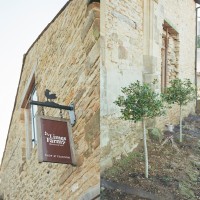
point(198, 93)
point(172, 57)
point(131, 43)
point(198, 84)
point(65, 59)
point(121, 61)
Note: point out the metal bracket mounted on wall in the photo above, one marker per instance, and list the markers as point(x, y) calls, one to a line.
point(51, 104)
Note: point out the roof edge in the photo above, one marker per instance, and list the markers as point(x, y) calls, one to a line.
point(48, 25)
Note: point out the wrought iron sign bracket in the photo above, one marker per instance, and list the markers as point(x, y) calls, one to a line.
point(49, 103)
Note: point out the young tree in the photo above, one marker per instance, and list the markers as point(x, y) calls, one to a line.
point(180, 92)
point(139, 103)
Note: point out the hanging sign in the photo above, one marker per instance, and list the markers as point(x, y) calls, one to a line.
point(55, 142)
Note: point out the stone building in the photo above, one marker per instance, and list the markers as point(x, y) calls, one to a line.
point(198, 72)
point(86, 62)
point(141, 40)
point(64, 59)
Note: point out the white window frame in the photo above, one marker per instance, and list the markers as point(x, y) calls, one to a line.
point(25, 105)
point(33, 110)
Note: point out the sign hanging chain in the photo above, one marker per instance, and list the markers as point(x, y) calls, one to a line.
point(42, 110)
point(61, 114)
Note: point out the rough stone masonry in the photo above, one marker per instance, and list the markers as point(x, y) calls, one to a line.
point(131, 49)
point(64, 59)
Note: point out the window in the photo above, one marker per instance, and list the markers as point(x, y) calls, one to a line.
point(30, 111)
point(33, 97)
point(169, 55)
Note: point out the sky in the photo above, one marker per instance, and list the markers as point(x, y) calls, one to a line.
point(21, 21)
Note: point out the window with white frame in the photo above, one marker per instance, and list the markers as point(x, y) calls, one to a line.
point(30, 111)
point(33, 109)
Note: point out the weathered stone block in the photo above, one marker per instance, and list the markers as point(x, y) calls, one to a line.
point(92, 15)
point(93, 6)
point(93, 56)
point(65, 175)
point(80, 160)
point(106, 150)
point(92, 128)
point(150, 63)
point(92, 193)
point(149, 78)
point(122, 52)
point(107, 163)
point(96, 28)
point(75, 187)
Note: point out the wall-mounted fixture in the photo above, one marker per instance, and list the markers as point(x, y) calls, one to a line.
point(50, 103)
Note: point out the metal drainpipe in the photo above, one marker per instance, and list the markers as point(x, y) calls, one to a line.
point(196, 54)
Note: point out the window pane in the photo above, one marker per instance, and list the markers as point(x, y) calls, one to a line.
point(33, 116)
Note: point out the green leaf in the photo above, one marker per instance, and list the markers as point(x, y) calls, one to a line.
point(140, 101)
point(180, 92)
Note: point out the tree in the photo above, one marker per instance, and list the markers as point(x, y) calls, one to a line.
point(139, 103)
point(180, 92)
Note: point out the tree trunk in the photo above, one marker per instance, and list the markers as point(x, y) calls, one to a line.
point(145, 150)
point(181, 134)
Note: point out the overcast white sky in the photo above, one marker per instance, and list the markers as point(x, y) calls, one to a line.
point(21, 21)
